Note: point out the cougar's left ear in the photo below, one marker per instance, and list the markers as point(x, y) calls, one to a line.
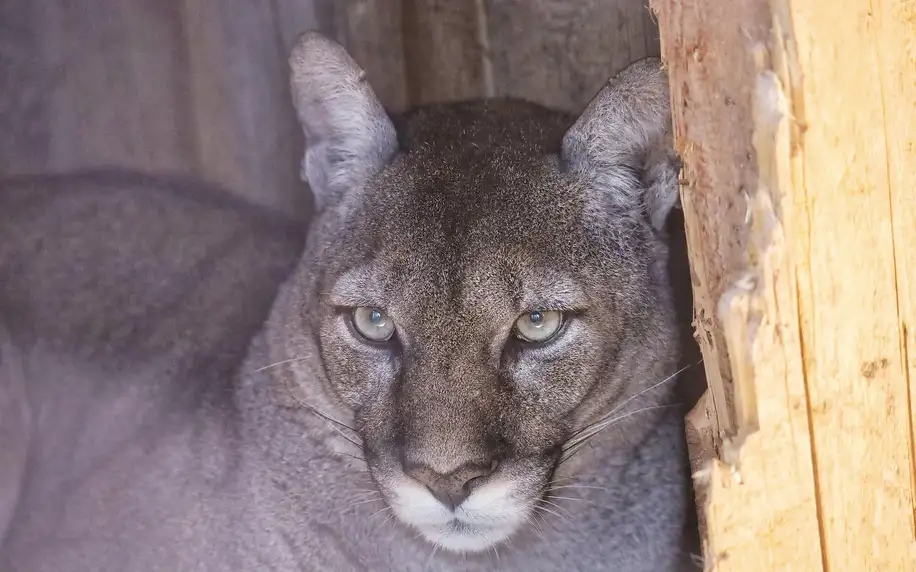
point(621, 144)
point(349, 136)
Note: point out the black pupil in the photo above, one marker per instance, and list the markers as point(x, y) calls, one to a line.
point(536, 318)
point(375, 317)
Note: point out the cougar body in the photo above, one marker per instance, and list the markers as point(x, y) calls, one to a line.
point(191, 383)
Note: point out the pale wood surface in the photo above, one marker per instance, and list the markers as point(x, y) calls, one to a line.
point(848, 276)
point(711, 87)
point(816, 311)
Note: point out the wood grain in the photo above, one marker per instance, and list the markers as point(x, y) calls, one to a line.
point(847, 279)
point(560, 53)
point(707, 46)
point(92, 84)
point(199, 86)
point(372, 31)
point(246, 134)
point(445, 50)
point(894, 33)
point(815, 309)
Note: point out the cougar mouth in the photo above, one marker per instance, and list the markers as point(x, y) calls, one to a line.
point(489, 516)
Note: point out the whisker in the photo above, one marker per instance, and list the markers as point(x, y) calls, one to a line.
point(568, 498)
point(362, 474)
point(329, 419)
point(577, 487)
point(544, 500)
point(493, 547)
point(535, 524)
point(559, 509)
point(596, 428)
point(380, 511)
point(357, 457)
point(386, 521)
point(433, 553)
point(347, 438)
point(321, 414)
point(556, 514)
point(660, 383)
point(366, 501)
point(637, 395)
point(599, 426)
point(572, 448)
point(281, 362)
point(510, 547)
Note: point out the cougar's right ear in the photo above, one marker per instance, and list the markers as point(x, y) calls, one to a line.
point(622, 144)
point(349, 136)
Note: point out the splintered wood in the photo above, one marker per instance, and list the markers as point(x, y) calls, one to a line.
point(815, 300)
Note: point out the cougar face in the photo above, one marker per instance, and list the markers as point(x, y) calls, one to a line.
point(484, 279)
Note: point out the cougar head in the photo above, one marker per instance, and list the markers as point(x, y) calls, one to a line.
point(484, 279)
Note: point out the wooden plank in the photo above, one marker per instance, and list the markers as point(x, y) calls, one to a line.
point(711, 112)
point(247, 137)
point(445, 50)
point(560, 53)
point(711, 108)
point(762, 511)
point(292, 17)
point(816, 313)
point(25, 82)
point(92, 84)
point(894, 34)
point(371, 30)
point(844, 243)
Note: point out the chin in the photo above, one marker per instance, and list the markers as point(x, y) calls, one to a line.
point(460, 538)
point(489, 517)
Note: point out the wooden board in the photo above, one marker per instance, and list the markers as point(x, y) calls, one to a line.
point(372, 31)
point(200, 87)
point(85, 85)
point(560, 53)
point(446, 50)
point(816, 313)
point(245, 132)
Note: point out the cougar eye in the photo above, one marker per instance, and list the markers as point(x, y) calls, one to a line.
point(374, 324)
point(538, 326)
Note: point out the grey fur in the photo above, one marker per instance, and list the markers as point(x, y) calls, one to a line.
point(349, 136)
point(178, 390)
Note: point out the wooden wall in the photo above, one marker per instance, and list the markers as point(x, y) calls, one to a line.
point(796, 123)
point(200, 86)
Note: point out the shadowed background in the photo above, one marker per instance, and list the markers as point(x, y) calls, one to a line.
point(200, 86)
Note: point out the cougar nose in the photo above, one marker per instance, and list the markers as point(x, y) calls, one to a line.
point(453, 488)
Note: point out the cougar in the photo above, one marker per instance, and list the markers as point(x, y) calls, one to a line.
point(463, 361)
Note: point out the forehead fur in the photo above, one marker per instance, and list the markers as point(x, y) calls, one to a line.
point(476, 209)
point(480, 177)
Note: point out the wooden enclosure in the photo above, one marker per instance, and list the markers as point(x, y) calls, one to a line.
point(796, 120)
point(201, 86)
